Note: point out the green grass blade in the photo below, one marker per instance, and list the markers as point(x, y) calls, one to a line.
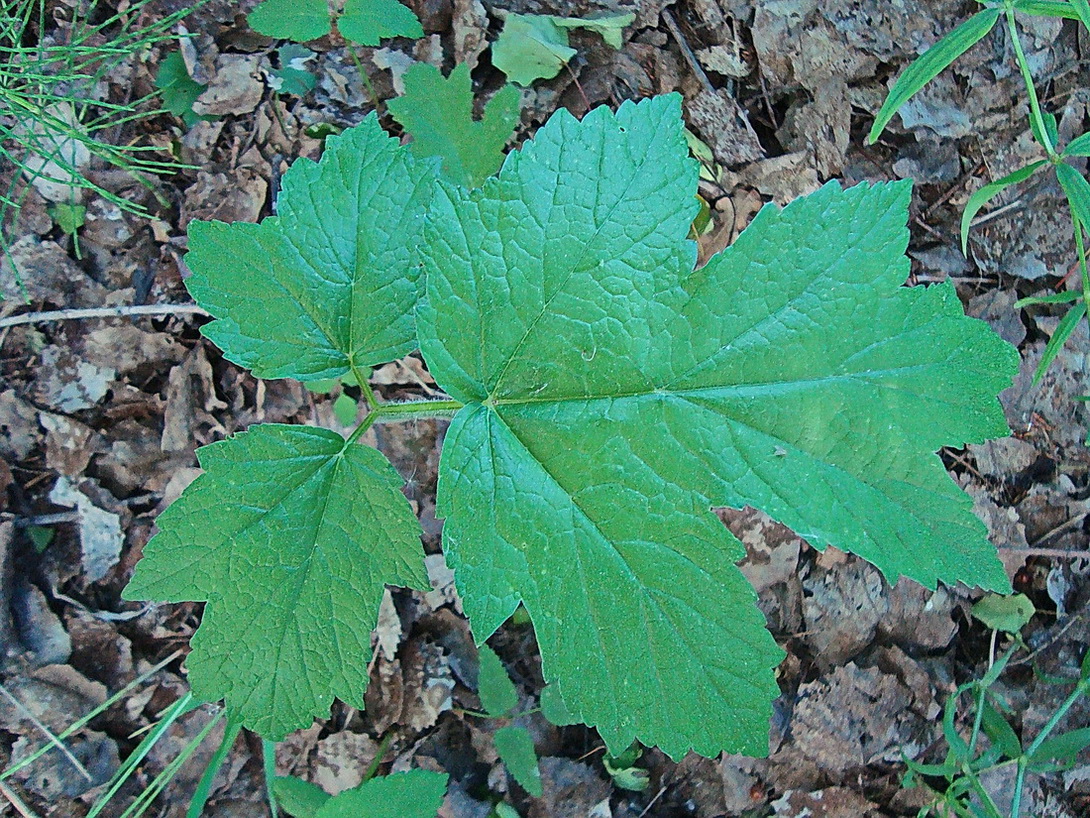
point(1047, 8)
point(989, 192)
point(930, 64)
point(1065, 297)
point(1063, 331)
point(204, 786)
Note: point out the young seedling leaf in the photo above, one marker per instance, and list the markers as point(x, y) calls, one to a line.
point(1064, 330)
point(531, 47)
point(1078, 191)
point(290, 536)
point(438, 112)
point(998, 729)
point(1062, 748)
point(368, 21)
point(292, 77)
point(298, 798)
point(494, 686)
point(989, 192)
point(333, 280)
point(296, 20)
point(931, 63)
point(1079, 146)
point(413, 794)
point(179, 90)
point(1047, 8)
point(515, 747)
point(608, 26)
point(1004, 613)
point(601, 373)
point(1065, 297)
point(1082, 10)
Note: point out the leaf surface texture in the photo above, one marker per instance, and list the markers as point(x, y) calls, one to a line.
point(613, 395)
point(290, 536)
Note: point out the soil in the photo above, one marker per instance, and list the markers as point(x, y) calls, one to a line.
point(99, 419)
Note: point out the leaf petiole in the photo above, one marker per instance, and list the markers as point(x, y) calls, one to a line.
point(1031, 90)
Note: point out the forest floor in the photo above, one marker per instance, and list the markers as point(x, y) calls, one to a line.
point(99, 419)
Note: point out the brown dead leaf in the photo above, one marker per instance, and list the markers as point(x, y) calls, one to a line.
point(853, 717)
point(842, 610)
point(190, 401)
point(725, 128)
point(236, 87)
point(67, 383)
point(124, 347)
point(99, 530)
point(341, 759)
point(470, 25)
point(19, 432)
point(570, 790)
point(834, 802)
point(69, 444)
point(53, 694)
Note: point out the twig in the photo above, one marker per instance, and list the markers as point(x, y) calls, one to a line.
point(1062, 528)
point(651, 803)
point(16, 801)
point(102, 312)
point(45, 730)
point(687, 52)
point(1045, 552)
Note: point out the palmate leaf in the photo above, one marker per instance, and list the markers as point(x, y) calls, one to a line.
point(330, 282)
point(438, 112)
point(290, 536)
point(613, 395)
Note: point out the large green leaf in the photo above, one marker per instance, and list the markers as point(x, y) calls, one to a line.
point(290, 536)
point(413, 794)
point(330, 282)
point(438, 112)
point(613, 395)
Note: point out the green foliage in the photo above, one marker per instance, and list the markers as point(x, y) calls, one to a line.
point(535, 46)
point(289, 535)
point(1043, 126)
point(624, 772)
point(514, 744)
point(494, 686)
point(516, 747)
point(1004, 613)
point(994, 744)
point(606, 396)
point(438, 113)
point(331, 282)
point(362, 21)
point(55, 118)
point(179, 90)
point(932, 63)
point(412, 794)
point(292, 77)
point(298, 797)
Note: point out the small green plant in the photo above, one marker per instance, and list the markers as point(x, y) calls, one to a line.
point(53, 123)
point(605, 397)
point(514, 744)
point(535, 46)
point(1043, 126)
point(366, 22)
point(438, 112)
point(993, 743)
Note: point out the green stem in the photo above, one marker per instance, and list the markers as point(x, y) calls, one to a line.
point(372, 768)
point(365, 387)
point(204, 786)
point(1027, 77)
point(389, 412)
point(1019, 784)
point(1068, 703)
point(268, 759)
point(1080, 247)
point(982, 794)
point(358, 432)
